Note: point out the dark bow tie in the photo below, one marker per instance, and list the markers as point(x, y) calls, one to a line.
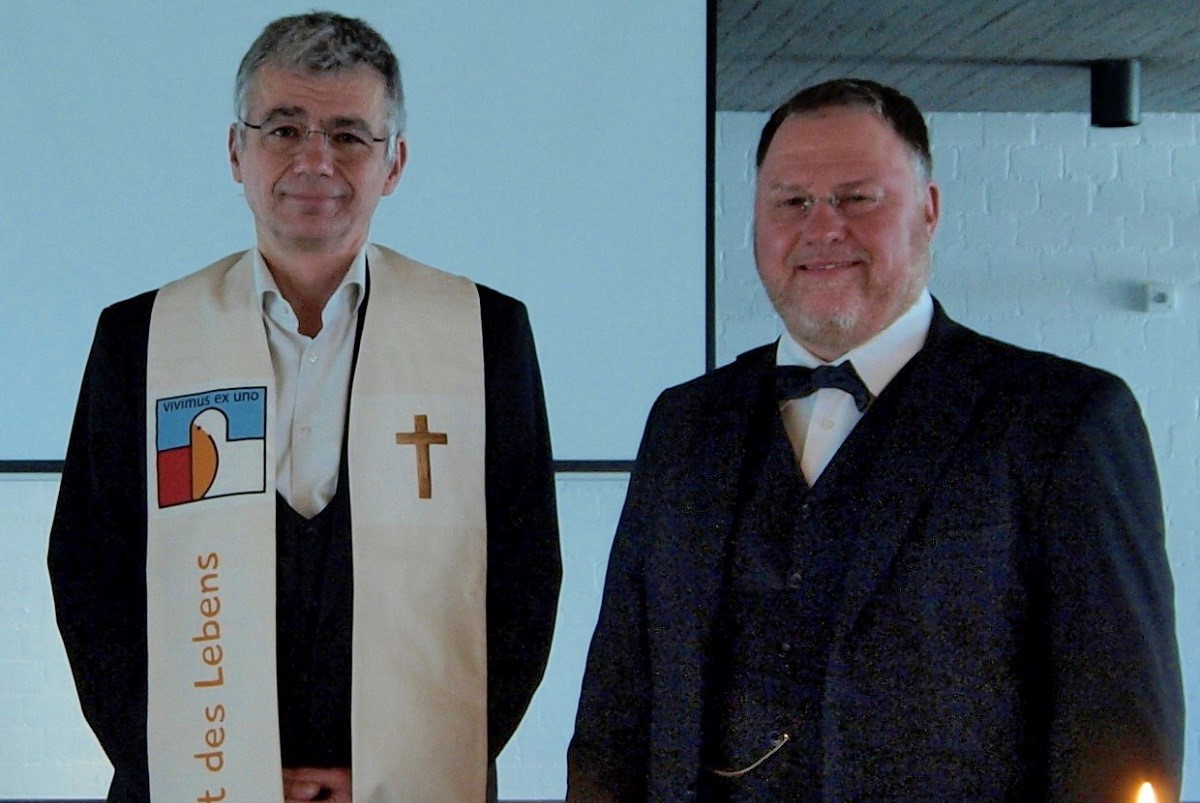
point(796, 382)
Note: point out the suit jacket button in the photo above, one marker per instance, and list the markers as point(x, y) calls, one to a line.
point(796, 580)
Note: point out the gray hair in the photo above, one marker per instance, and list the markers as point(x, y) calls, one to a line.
point(324, 42)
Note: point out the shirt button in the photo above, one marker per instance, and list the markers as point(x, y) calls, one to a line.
point(827, 424)
point(313, 358)
point(306, 431)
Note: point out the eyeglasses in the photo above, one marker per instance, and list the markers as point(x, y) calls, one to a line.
point(349, 143)
point(850, 205)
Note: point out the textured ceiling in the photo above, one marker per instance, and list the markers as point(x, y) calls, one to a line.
point(958, 55)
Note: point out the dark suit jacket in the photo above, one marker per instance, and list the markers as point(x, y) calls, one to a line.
point(97, 555)
point(1006, 629)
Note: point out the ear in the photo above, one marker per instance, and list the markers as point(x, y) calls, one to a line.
point(393, 177)
point(234, 157)
point(933, 206)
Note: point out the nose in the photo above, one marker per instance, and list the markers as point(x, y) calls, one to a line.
point(315, 154)
point(824, 223)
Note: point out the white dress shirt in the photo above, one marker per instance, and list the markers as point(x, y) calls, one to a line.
point(312, 386)
point(819, 424)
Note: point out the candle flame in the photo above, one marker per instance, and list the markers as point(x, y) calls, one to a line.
point(1146, 794)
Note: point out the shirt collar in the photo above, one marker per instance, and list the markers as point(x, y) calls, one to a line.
point(349, 292)
point(879, 359)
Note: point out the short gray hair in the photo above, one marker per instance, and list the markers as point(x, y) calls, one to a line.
point(324, 42)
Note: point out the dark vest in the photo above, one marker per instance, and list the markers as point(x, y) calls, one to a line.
point(314, 616)
point(783, 583)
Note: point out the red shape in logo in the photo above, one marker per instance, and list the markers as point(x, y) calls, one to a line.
point(174, 476)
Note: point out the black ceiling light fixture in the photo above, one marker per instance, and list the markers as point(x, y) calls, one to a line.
point(1116, 92)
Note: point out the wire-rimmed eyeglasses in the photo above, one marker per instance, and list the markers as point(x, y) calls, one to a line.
point(849, 205)
point(349, 143)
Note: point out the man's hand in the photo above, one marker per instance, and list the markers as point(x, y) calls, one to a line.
point(313, 783)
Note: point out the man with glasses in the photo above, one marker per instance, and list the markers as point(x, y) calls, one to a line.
point(885, 558)
point(306, 537)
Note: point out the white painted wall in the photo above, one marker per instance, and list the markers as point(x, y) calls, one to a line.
point(1049, 230)
point(534, 129)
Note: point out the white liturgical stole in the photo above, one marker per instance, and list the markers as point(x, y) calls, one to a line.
point(416, 468)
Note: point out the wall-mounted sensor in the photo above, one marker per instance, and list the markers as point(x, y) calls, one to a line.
point(1160, 297)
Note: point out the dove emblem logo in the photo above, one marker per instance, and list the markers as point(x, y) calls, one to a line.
point(211, 444)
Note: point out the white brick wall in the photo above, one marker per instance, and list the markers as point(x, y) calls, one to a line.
point(46, 750)
point(534, 765)
point(1049, 228)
